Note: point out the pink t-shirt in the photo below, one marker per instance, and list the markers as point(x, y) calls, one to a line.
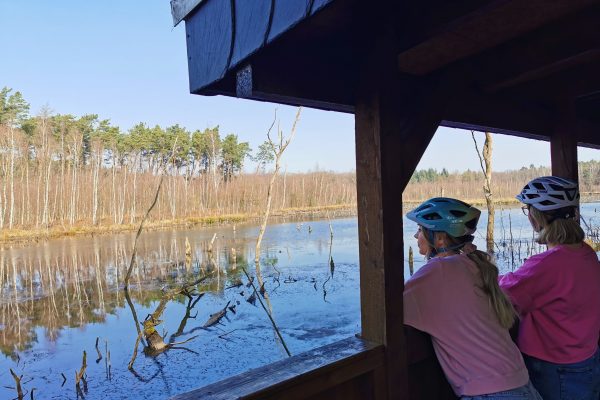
point(477, 355)
point(557, 294)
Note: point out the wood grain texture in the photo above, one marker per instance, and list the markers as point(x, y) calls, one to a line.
point(252, 23)
point(287, 14)
point(301, 376)
point(209, 34)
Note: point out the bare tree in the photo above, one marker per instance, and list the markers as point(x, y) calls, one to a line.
point(485, 161)
point(277, 149)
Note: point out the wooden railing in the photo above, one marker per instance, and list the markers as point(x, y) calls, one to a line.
point(349, 369)
point(343, 370)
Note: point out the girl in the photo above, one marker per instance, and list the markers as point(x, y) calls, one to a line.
point(456, 299)
point(557, 294)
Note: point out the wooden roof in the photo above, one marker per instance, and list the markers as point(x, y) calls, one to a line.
point(517, 64)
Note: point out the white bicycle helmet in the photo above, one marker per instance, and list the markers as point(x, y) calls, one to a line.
point(548, 193)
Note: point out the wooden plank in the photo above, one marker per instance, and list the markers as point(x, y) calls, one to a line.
point(492, 24)
point(252, 20)
point(473, 109)
point(209, 40)
point(563, 143)
point(300, 376)
point(574, 40)
point(287, 14)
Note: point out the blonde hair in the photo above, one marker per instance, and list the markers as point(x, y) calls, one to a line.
point(488, 271)
point(558, 230)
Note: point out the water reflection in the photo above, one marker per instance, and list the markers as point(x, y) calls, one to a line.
point(65, 287)
point(65, 296)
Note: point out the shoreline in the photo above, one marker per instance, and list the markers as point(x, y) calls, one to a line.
point(20, 236)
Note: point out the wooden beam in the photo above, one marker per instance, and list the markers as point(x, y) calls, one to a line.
point(564, 44)
point(546, 70)
point(473, 109)
point(563, 143)
point(492, 24)
point(395, 120)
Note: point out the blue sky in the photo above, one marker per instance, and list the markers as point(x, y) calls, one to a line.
point(124, 61)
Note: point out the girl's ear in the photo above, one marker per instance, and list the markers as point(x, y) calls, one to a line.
point(440, 239)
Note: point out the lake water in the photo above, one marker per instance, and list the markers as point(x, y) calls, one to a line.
point(62, 297)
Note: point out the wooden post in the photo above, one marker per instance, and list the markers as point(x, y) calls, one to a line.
point(563, 144)
point(395, 120)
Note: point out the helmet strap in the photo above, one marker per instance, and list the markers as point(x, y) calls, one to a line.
point(437, 250)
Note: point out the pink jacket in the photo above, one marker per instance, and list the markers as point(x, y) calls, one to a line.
point(557, 294)
point(477, 355)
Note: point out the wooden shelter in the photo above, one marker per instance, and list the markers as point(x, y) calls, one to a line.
point(528, 68)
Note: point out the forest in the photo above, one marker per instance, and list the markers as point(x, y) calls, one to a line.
point(74, 174)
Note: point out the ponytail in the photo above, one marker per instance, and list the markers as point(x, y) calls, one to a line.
point(489, 276)
point(501, 305)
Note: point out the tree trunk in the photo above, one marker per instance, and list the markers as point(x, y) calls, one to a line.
point(263, 226)
point(45, 214)
point(278, 150)
point(487, 157)
point(12, 178)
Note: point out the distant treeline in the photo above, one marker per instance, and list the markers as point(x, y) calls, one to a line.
point(505, 185)
point(69, 172)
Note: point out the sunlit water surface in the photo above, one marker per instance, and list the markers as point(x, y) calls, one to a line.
point(62, 297)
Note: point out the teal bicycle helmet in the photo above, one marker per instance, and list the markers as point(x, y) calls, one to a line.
point(444, 214)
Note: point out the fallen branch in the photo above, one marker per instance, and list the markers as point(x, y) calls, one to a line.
point(79, 376)
point(139, 231)
point(216, 317)
point(98, 351)
point(135, 349)
point(268, 314)
point(17, 384)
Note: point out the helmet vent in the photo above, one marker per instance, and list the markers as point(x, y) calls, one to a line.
point(472, 224)
point(557, 196)
point(556, 187)
point(432, 216)
point(546, 203)
point(539, 186)
point(423, 207)
point(457, 213)
point(532, 196)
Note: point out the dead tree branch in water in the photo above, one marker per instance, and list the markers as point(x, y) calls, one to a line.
point(98, 351)
point(134, 314)
point(139, 231)
point(80, 375)
point(277, 150)
point(268, 314)
point(188, 314)
point(135, 350)
point(216, 317)
point(329, 261)
point(17, 384)
point(155, 342)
